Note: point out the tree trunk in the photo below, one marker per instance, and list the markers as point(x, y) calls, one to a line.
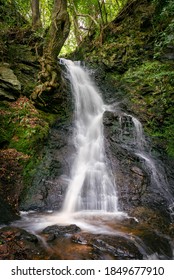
point(59, 29)
point(76, 24)
point(36, 21)
point(49, 89)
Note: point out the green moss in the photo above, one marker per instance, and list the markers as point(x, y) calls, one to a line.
point(25, 129)
point(49, 118)
point(29, 170)
point(27, 139)
point(151, 89)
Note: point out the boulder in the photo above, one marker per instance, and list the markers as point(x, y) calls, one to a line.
point(10, 87)
point(18, 244)
point(7, 214)
point(56, 231)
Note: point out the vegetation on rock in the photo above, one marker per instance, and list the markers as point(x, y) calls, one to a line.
point(137, 53)
point(24, 127)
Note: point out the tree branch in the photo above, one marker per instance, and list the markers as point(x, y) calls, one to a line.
point(87, 15)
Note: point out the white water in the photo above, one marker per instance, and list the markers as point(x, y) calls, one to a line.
point(92, 186)
point(157, 174)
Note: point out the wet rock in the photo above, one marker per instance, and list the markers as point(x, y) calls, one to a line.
point(49, 184)
point(137, 182)
point(109, 247)
point(56, 231)
point(152, 218)
point(137, 170)
point(156, 243)
point(7, 213)
point(18, 244)
point(171, 230)
point(11, 183)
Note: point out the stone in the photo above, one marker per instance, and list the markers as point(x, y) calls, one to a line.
point(6, 95)
point(137, 170)
point(109, 246)
point(58, 231)
point(10, 87)
point(50, 182)
point(18, 244)
point(7, 213)
point(7, 75)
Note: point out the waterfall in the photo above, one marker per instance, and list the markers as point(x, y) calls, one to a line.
point(92, 186)
point(91, 201)
point(141, 149)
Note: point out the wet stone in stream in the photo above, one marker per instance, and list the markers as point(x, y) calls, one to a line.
point(109, 247)
point(18, 244)
point(69, 242)
point(55, 231)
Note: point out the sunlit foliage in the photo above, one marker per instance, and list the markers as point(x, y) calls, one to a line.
point(87, 17)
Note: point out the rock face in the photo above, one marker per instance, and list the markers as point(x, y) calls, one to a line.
point(7, 213)
point(11, 183)
point(109, 247)
point(10, 87)
point(140, 175)
point(17, 244)
point(48, 187)
point(21, 123)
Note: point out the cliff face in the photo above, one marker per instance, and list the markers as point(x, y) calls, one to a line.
point(24, 124)
point(136, 56)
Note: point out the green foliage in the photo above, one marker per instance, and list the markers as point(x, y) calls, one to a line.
point(151, 88)
point(164, 21)
point(6, 134)
point(10, 15)
point(169, 135)
point(23, 7)
point(91, 17)
point(46, 7)
point(13, 11)
point(165, 38)
point(164, 9)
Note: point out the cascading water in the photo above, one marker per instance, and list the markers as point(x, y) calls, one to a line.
point(92, 186)
point(91, 200)
point(141, 149)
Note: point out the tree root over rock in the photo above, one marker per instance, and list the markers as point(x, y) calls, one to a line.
point(49, 91)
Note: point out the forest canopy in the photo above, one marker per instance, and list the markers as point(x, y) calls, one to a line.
point(86, 17)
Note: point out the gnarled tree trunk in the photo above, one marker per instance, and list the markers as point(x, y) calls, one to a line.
point(49, 89)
